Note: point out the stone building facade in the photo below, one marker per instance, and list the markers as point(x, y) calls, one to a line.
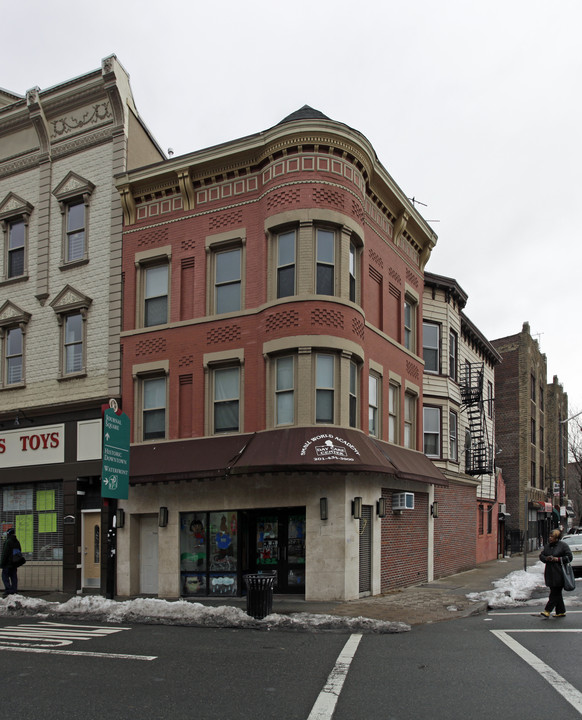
point(60, 312)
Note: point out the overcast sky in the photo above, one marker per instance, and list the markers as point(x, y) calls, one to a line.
point(473, 107)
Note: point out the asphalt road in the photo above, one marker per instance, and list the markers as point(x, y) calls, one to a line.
point(512, 663)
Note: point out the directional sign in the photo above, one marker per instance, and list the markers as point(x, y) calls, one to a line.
point(115, 469)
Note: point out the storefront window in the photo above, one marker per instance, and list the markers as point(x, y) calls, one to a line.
point(208, 553)
point(267, 541)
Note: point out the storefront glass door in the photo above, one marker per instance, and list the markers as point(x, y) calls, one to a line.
point(280, 547)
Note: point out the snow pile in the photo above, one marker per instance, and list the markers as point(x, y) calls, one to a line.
point(161, 612)
point(514, 589)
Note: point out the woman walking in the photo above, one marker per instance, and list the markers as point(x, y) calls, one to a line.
point(552, 555)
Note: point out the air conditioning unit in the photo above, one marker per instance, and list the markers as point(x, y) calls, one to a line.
point(502, 508)
point(403, 501)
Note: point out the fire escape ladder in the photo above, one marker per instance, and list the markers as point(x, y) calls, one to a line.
point(477, 448)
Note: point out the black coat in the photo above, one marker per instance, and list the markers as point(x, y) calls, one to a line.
point(553, 572)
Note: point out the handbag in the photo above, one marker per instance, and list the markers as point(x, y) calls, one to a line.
point(18, 558)
point(568, 574)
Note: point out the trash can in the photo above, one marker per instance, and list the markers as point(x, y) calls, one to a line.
point(259, 595)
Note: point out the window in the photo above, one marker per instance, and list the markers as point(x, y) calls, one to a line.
point(453, 351)
point(324, 388)
point(325, 262)
point(409, 421)
point(154, 408)
point(481, 519)
point(489, 399)
point(541, 476)
point(73, 343)
point(410, 324)
point(73, 194)
point(393, 407)
point(14, 355)
point(71, 308)
point(430, 347)
point(75, 232)
point(227, 281)
point(541, 398)
point(432, 431)
point(286, 264)
point(155, 295)
point(373, 387)
point(353, 395)
point(533, 431)
point(533, 388)
point(226, 399)
point(285, 391)
point(541, 438)
point(533, 474)
point(489, 519)
point(453, 437)
point(353, 260)
point(16, 246)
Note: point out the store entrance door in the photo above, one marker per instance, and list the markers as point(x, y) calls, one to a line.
point(278, 541)
point(91, 549)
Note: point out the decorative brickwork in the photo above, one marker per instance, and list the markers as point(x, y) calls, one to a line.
point(358, 211)
point(282, 320)
point(395, 276)
point(276, 200)
point(186, 361)
point(412, 278)
point(325, 196)
point(157, 236)
point(330, 318)
point(225, 334)
point(375, 258)
point(412, 370)
point(150, 346)
point(358, 328)
point(225, 220)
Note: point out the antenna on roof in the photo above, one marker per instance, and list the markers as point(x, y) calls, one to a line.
point(417, 202)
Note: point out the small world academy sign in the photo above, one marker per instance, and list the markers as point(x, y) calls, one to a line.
point(115, 468)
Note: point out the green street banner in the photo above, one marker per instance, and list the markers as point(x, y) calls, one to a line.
point(115, 468)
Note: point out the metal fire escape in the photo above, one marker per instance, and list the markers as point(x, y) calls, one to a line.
point(478, 460)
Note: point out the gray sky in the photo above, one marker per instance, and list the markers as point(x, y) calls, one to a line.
point(474, 108)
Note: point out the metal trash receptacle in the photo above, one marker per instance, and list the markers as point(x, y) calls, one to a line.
point(259, 594)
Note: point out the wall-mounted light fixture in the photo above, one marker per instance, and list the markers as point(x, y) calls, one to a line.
point(163, 517)
point(323, 508)
point(434, 510)
point(120, 518)
point(357, 508)
point(381, 507)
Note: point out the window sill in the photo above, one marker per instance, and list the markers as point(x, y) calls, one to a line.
point(72, 376)
point(12, 280)
point(73, 264)
point(13, 386)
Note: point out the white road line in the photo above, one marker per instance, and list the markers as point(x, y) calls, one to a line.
point(115, 656)
point(562, 686)
point(325, 704)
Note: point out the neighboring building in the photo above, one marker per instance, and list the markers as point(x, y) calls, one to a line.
point(555, 444)
point(272, 370)
point(60, 312)
point(527, 438)
point(459, 431)
point(574, 479)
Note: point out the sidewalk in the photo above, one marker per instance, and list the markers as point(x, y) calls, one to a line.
point(442, 599)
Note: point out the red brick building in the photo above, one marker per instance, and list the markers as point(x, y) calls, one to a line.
point(272, 370)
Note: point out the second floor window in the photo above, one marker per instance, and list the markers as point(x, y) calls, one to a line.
point(432, 431)
point(409, 421)
point(453, 437)
point(393, 413)
point(154, 408)
point(353, 394)
point(73, 343)
point(14, 355)
point(324, 388)
point(373, 405)
point(285, 391)
point(226, 399)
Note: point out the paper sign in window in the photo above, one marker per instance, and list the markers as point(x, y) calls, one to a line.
point(45, 500)
point(24, 526)
point(47, 522)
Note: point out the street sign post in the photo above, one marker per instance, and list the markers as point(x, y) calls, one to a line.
point(115, 468)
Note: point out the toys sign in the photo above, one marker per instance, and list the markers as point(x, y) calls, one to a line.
point(34, 446)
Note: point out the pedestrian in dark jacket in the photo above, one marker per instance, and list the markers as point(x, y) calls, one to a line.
point(551, 555)
point(9, 570)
